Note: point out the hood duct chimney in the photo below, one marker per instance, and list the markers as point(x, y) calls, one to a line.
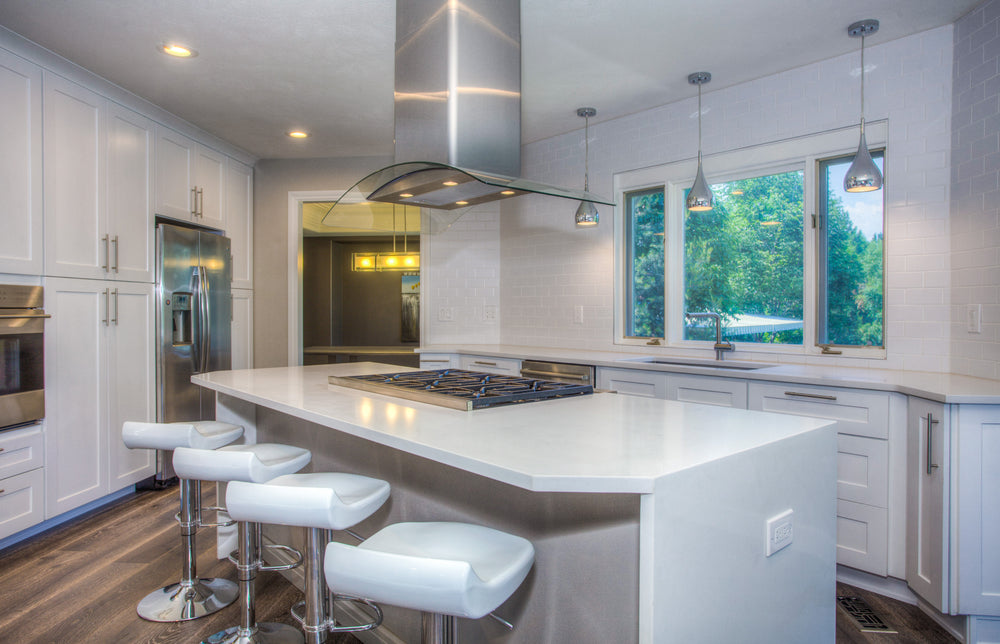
point(457, 116)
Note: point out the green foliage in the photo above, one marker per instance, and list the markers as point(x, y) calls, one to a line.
point(646, 210)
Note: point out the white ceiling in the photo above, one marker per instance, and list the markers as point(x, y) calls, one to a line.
point(268, 66)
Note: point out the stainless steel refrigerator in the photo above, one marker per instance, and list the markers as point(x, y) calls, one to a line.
point(194, 316)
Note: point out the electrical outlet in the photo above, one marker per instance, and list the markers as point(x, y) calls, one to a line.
point(446, 314)
point(778, 532)
point(577, 315)
point(490, 312)
point(974, 318)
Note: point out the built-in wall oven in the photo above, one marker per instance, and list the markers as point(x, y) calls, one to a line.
point(22, 377)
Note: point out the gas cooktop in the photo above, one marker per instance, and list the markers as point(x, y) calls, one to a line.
point(459, 389)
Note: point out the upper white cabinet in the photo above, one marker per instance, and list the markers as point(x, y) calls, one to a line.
point(190, 180)
point(239, 221)
point(98, 186)
point(20, 165)
point(76, 242)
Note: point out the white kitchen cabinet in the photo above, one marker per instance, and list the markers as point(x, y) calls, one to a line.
point(635, 382)
point(707, 390)
point(438, 361)
point(22, 480)
point(242, 329)
point(928, 474)
point(863, 429)
point(239, 221)
point(190, 180)
point(75, 158)
point(99, 368)
point(489, 364)
point(129, 229)
point(20, 165)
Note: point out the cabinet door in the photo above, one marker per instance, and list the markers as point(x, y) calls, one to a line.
point(74, 159)
point(131, 380)
point(863, 470)
point(862, 537)
point(20, 166)
point(239, 221)
point(721, 392)
point(210, 181)
point(505, 366)
point(130, 195)
point(21, 502)
point(635, 382)
point(857, 412)
point(174, 192)
point(75, 392)
point(927, 510)
point(437, 361)
point(242, 329)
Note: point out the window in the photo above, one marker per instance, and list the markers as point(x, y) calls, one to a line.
point(789, 260)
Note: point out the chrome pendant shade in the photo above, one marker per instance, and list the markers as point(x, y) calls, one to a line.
point(586, 212)
point(863, 175)
point(699, 197)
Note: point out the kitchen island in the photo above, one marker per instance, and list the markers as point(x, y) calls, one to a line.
point(649, 517)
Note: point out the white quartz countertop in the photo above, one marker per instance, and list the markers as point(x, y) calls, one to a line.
point(942, 387)
point(606, 443)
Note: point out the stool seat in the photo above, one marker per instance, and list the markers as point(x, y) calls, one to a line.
point(455, 569)
point(200, 434)
point(255, 463)
point(324, 500)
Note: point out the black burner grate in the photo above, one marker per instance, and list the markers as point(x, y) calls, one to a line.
point(462, 389)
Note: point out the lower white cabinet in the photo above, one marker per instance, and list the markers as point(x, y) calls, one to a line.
point(437, 361)
point(22, 479)
point(862, 537)
point(99, 372)
point(707, 390)
point(634, 382)
point(242, 329)
point(489, 364)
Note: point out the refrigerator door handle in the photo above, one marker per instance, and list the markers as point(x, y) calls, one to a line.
point(204, 310)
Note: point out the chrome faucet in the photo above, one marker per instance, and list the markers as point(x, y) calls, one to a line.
point(720, 346)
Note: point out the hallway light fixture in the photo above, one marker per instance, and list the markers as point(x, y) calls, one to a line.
point(863, 175)
point(699, 197)
point(586, 212)
point(394, 261)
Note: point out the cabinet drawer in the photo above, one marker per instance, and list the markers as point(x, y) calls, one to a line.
point(863, 470)
point(506, 366)
point(722, 392)
point(20, 450)
point(436, 361)
point(634, 382)
point(862, 537)
point(858, 412)
point(22, 501)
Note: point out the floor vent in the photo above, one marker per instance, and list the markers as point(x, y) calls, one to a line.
point(868, 621)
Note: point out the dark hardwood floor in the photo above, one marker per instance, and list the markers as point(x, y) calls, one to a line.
point(80, 582)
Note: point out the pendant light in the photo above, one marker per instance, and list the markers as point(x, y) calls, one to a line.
point(699, 197)
point(863, 175)
point(586, 212)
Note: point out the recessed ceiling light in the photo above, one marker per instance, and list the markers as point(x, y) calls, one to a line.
point(298, 134)
point(507, 192)
point(177, 51)
point(449, 183)
point(405, 195)
point(461, 203)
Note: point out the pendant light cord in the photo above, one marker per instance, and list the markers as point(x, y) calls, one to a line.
point(586, 154)
point(862, 83)
point(699, 124)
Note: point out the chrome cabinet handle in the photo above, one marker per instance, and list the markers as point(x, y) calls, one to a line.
point(114, 241)
point(107, 306)
point(484, 363)
point(930, 445)
point(201, 202)
point(194, 201)
point(107, 252)
point(804, 395)
point(114, 320)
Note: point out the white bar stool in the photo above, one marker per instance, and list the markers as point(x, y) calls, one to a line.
point(445, 570)
point(319, 502)
point(255, 463)
point(192, 597)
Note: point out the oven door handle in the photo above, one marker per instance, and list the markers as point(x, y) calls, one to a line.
point(23, 316)
point(553, 374)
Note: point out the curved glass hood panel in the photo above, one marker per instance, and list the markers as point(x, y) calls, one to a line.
point(444, 193)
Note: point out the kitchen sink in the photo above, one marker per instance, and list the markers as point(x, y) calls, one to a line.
point(694, 362)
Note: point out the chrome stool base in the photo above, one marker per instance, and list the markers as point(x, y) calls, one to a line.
point(266, 633)
point(181, 602)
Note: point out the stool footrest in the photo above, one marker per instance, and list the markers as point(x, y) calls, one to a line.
point(331, 625)
point(216, 524)
point(295, 563)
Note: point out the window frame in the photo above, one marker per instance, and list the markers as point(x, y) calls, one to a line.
point(802, 153)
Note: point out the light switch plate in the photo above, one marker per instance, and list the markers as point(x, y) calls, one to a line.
point(974, 318)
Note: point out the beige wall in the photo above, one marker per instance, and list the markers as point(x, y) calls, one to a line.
point(273, 180)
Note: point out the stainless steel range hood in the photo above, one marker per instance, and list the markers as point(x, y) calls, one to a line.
point(457, 113)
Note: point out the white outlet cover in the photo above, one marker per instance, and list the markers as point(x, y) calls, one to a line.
point(778, 532)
